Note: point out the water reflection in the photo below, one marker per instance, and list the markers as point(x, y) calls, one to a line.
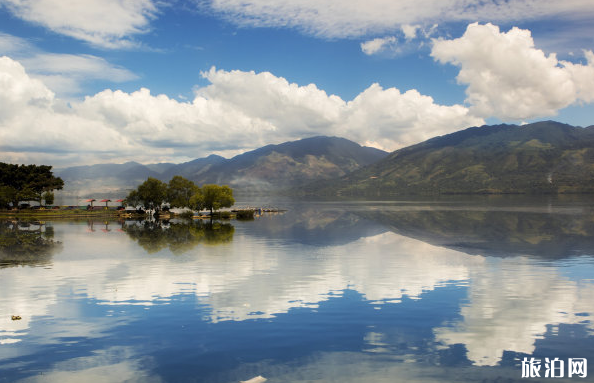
point(26, 243)
point(316, 225)
point(495, 231)
point(512, 303)
point(403, 293)
point(179, 237)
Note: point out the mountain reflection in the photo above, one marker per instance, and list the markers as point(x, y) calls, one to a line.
point(412, 266)
point(179, 237)
point(493, 232)
point(315, 224)
point(26, 243)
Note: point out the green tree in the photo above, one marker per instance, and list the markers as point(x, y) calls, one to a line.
point(7, 195)
point(215, 197)
point(152, 193)
point(196, 201)
point(43, 181)
point(48, 198)
point(27, 182)
point(132, 199)
point(26, 194)
point(179, 192)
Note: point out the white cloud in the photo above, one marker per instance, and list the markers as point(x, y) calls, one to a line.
point(386, 116)
point(509, 78)
point(379, 45)
point(31, 117)
point(12, 44)
point(79, 65)
point(19, 91)
point(64, 74)
point(104, 23)
point(410, 31)
point(394, 119)
point(237, 111)
point(353, 18)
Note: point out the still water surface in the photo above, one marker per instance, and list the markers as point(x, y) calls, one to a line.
point(395, 291)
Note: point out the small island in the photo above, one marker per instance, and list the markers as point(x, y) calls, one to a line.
point(21, 184)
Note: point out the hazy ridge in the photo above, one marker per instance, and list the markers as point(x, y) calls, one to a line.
point(267, 169)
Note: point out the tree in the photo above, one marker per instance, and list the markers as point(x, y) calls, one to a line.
point(27, 182)
point(48, 198)
point(7, 195)
point(132, 199)
point(179, 192)
point(215, 197)
point(26, 194)
point(43, 181)
point(152, 193)
point(196, 201)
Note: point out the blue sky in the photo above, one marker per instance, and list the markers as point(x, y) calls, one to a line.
point(113, 80)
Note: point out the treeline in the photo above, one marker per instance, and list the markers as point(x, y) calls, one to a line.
point(27, 183)
point(180, 193)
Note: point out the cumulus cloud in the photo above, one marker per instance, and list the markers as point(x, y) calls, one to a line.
point(104, 23)
point(352, 18)
point(379, 45)
point(32, 119)
point(509, 78)
point(387, 117)
point(237, 111)
point(394, 119)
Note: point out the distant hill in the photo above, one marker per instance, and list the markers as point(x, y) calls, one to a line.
point(193, 169)
point(290, 164)
point(99, 179)
point(266, 169)
point(544, 157)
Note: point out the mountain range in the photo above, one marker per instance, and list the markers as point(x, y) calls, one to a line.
point(270, 168)
point(543, 157)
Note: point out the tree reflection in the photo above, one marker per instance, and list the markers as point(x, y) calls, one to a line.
point(26, 243)
point(179, 237)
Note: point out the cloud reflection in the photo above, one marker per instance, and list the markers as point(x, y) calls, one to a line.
point(510, 301)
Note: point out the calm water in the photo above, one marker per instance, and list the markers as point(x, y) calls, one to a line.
point(410, 291)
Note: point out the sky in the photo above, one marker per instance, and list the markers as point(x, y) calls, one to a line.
point(111, 81)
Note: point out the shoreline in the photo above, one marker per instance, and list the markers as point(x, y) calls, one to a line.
point(41, 214)
point(78, 213)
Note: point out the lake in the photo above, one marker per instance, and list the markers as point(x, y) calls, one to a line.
point(448, 290)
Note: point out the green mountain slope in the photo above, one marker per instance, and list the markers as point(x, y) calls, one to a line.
point(289, 164)
point(544, 157)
